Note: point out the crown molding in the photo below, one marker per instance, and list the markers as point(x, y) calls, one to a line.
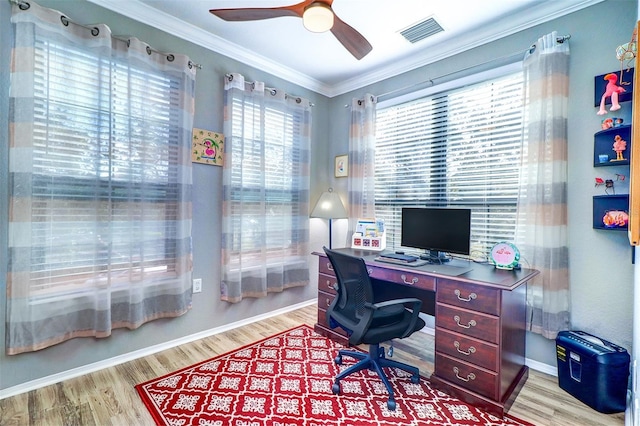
point(544, 12)
point(139, 11)
point(502, 28)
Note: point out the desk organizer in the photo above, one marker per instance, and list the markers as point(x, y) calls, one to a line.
point(369, 235)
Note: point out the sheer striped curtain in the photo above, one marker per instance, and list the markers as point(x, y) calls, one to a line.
point(362, 143)
point(100, 182)
point(265, 215)
point(542, 206)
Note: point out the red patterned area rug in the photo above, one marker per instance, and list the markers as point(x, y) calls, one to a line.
point(285, 380)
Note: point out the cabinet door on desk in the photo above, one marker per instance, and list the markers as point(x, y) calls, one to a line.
point(324, 266)
point(467, 375)
point(470, 323)
point(469, 296)
point(327, 283)
point(408, 278)
point(469, 349)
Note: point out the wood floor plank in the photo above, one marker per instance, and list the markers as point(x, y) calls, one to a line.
point(108, 397)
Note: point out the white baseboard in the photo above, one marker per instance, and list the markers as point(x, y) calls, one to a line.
point(541, 367)
point(120, 359)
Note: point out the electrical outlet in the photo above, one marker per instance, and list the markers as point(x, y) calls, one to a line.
point(197, 285)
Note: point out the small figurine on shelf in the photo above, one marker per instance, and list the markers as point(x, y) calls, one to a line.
point(607, 123)
point(608, 185)
point(615, 219)
point(611, 90)
point(610, 122)
point(619, 146)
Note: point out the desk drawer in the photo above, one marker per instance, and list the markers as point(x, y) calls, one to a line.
point(469, 296)
point(326, 283)
point(469, 376)
point(408, 278)
point(324, 266)
point(325, 299)
point(469, 323)
point(467, 349)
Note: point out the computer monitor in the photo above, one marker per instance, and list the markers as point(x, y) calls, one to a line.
point(437, 230)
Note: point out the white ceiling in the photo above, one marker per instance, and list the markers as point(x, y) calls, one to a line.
point(283, 47)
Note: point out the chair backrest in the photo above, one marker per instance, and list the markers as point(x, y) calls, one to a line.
point(353, 292)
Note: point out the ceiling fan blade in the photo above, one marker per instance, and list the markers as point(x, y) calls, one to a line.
point(351, 39)
point(257, 13)
point(252, 14)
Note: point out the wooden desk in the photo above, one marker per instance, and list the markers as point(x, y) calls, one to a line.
point(480, 323)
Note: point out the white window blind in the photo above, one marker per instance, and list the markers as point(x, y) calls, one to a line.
point(105, 167)
point(267, 185)
point(459, 148)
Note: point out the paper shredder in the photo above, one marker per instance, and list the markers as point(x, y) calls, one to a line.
point(593, 370)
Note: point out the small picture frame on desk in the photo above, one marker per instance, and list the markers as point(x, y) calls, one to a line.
point(342, 166)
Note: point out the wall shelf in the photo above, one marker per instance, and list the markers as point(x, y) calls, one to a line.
point(603, 146)
point(602, 204)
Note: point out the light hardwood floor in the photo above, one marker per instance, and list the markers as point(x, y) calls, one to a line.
point(108, 397)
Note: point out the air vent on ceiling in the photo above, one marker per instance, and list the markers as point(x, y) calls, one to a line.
point(421, 30)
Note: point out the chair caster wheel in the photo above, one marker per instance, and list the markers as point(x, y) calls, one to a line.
point(391, 405)
point(381, 353)
point(338, 360)
point(415, 379)
point(335, 388)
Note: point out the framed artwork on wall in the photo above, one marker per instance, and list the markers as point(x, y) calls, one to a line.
point(342, 166)
point(207, 147)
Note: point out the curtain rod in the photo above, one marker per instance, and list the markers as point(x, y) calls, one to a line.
point(508, 59)
point(273, 91)
point(24, 5)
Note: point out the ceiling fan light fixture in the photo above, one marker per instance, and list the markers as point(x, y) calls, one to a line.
point(318, 17)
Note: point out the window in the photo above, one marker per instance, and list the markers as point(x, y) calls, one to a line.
point(456, 148)
point(99, 182)
point(265, 221)
point(266, 185)
point(105, 151)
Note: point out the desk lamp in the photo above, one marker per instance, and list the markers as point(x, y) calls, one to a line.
point(329, 206)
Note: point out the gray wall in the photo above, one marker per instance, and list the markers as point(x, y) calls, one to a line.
point(601, 271)
point(208, 311)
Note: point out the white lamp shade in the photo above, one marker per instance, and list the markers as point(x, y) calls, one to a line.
point(329, 206)
point(318, 17)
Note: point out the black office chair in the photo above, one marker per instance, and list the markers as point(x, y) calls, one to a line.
point(366, 322)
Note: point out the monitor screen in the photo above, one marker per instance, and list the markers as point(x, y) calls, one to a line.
point(439, 230)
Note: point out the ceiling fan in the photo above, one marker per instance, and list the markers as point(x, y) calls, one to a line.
point(317, 15)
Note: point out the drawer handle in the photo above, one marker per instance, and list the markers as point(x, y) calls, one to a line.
point(404, 280)
point(331, 286)
point(468, 299)
point(470, 324)
point(328, 303)
point(469, 377)
point(469, 352)
point(329, 266)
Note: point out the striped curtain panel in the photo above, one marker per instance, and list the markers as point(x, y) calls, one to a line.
point(99, 182)
point(265, 182)
point(542, 207)
point(362, 144)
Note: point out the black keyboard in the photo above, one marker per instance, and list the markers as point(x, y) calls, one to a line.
point(400, 257)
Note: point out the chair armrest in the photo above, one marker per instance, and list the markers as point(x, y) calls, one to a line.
point(416, 305)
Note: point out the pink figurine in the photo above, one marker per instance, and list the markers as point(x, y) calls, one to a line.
point(612, 90)
point(619, 145)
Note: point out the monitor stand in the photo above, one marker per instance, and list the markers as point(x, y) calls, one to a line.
point(435, 257)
